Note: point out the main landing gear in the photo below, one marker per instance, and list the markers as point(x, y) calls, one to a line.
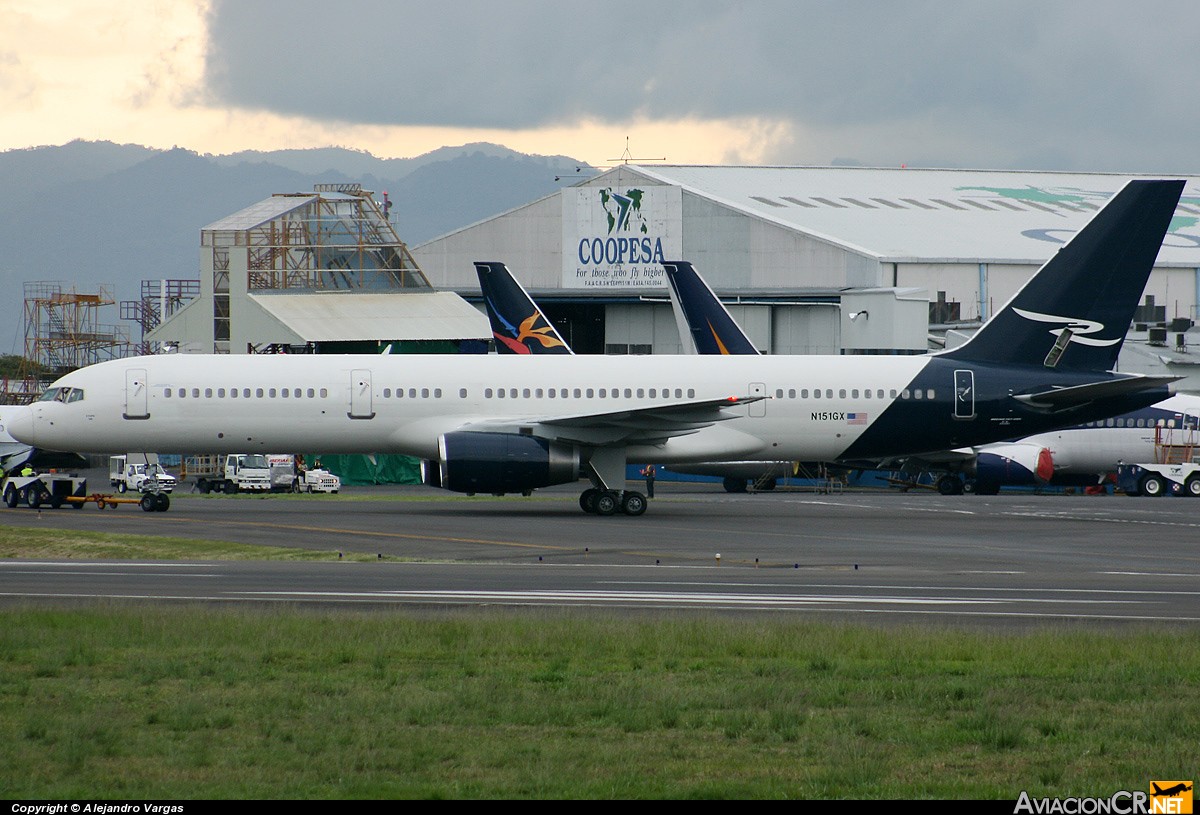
point(609, 502)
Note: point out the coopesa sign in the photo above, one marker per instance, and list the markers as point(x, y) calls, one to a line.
point(619, 237)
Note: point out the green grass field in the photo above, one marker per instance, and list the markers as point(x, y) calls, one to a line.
point(192, 702)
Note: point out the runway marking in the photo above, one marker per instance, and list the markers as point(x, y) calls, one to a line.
point(370, 533)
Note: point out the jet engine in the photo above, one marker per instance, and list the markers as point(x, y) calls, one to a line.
point(1012, 465)
point(499, 463)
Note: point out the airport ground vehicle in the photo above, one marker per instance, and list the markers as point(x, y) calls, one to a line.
point(139, 472)
point(229, 473)
point(1154, 480)
point(50, 489)
point(288, 474)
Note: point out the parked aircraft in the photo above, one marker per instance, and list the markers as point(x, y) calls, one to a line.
point(514, 424)
point(1083, 455)
point(517, 324)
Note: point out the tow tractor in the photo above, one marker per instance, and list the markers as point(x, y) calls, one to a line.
point(55, 490)
point(1175, 469)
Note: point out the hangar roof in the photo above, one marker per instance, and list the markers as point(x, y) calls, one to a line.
point(906, 215)
point(349, 316)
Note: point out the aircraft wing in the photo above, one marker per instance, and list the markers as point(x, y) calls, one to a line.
point(645, 425)
point(1066, 398)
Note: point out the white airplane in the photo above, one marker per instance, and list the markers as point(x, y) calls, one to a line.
point(1084, 455)
point(499, 424)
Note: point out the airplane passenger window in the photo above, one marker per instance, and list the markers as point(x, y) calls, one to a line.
point(904, 394)
point(500, 393)
point(166, 393)
point(854, 393)
point(271, 393)
point(628, 393)
point(929, 394)
point(437, 393)
point(412, 393)
point(195, 393)
point(604, 393)
point(220, 393)
point(512, 392)
point(258, 392)
point(589, 393)
point(462, 393)
point(487, 393)
point(641, 393)
point(829, 393)
point(917, 394)
point(577, 393)
point(791, 393)
point(654, 393)
point(879, 393)
point(246, 393)
point(525, 393)
point(183, 393)
point(324, 393)
point(867, 392)
point(537, 392)
point(387, 393)
point(233, 393)
point(424, 393)
point(285, 392)
point(208, 393)
point(779, 393)
point(691, 393)
point(679, 393)
point(841, 393)
point(804, 393)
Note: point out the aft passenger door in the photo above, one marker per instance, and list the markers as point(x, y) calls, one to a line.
point(360, 395)
point(137, 394)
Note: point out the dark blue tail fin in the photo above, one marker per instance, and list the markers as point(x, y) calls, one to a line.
point(517, 323)
point(1074, 313)
point(711, 327)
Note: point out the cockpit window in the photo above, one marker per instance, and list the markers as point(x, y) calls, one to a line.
point(62, 395)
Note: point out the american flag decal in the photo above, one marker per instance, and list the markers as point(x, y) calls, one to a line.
point(856, 418)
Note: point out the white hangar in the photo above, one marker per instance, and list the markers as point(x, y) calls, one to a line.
point(794, 250)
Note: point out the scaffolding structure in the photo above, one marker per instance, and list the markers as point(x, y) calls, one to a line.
point(159, 300)
point(63, 330)
point(335, 238)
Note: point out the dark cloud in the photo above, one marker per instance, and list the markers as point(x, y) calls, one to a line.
point(1109, 81)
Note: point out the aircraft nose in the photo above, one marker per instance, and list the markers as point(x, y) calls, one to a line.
point(19, 424)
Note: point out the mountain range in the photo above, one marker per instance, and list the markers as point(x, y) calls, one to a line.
point(87, 214)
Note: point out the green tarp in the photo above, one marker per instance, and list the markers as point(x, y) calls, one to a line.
point(358, 470)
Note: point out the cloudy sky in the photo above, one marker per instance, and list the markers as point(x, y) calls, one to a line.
point(1106, 85)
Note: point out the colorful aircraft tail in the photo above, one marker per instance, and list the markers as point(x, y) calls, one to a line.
point(1074, 313)
point(517, 323)
point(711, 328)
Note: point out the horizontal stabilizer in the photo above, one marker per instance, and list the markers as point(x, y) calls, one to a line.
point(1066, 398)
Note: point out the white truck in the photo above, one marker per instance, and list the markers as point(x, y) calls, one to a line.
point(230, 473)
point(139, 472)
point(288, 474)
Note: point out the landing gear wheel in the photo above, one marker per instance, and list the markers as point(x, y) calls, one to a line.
point(587, 500)
point(950, 485)
point(148, 503)
point(1152, 486)
point(162, 502)
point(734, 484)
point(633, 503)
point(607, 503)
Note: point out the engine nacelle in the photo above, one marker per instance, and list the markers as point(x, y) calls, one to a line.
point(1014, 465)
point(500, 463)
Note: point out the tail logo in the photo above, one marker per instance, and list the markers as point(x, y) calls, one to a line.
point(527, 332)
point(1074, 328)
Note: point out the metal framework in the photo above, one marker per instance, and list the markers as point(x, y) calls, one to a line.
point(159, 300)
point(335, 238)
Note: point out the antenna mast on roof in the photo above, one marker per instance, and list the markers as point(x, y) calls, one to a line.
point(627, 157)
